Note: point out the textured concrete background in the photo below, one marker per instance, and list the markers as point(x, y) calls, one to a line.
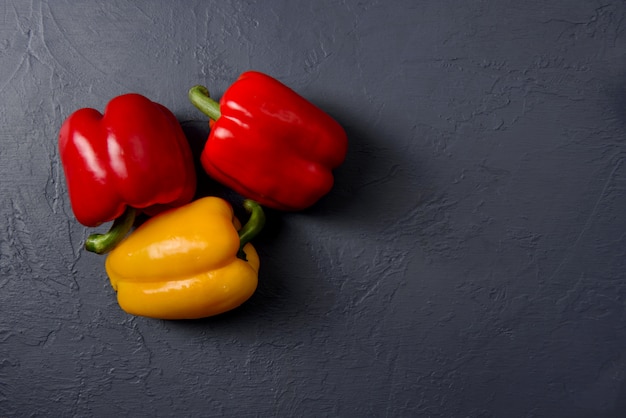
point(469, 262)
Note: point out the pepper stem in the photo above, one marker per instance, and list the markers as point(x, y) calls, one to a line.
point(252, 228)
point(199, 96)
point(103, 243)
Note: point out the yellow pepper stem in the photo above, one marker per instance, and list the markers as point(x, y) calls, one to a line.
point(103, 243)
point(252, 228)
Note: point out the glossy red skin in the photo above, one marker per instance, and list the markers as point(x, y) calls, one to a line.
point(136, 154)
point(272, 145)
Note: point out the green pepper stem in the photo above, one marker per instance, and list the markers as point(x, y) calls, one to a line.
point(252, 228)
point(103, 243)
point(199, 96)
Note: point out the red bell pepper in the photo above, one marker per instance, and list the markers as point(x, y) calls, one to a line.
point(134, 156)
point(270, 144)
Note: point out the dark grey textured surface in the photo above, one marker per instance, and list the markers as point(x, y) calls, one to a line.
point(469, 262)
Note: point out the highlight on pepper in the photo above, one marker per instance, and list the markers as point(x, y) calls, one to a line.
point(270, 144)
point(187, 263)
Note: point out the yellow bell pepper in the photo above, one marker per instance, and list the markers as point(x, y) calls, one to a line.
point(187, 263)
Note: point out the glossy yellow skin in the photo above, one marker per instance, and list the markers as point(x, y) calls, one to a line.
point(182, 264)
